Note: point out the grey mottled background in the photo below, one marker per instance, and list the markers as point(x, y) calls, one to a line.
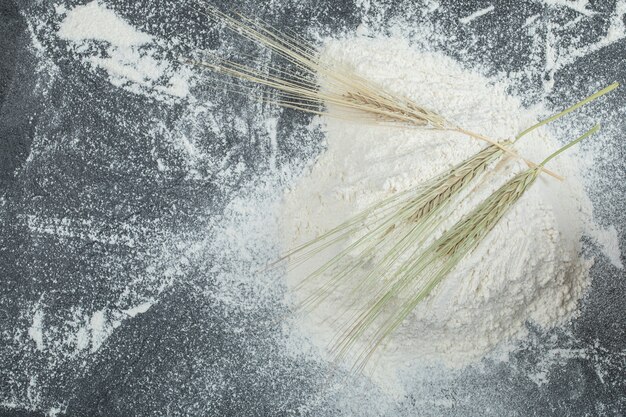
point(191, 353)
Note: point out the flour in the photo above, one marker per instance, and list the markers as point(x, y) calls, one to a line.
point(94, 21)
point(558, 56)
point(131, 55)
point(477, 14)
point(35, 331)
point(529, 268)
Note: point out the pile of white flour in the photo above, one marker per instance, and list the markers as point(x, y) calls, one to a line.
point(529, 268)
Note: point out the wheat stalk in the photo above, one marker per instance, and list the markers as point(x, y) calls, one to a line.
point(299, 88)
point(420, 276)
point(396, 228)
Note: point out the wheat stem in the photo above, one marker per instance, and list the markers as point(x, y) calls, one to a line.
point(570, 109)
point(509, 151)
point(590, 132)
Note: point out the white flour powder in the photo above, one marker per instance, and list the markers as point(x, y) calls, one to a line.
point(529, 268)
point(130, 61)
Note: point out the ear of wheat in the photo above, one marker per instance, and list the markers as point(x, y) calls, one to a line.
point(420, 276)
point(297, 85)
point(395, 229)
point(391, 232)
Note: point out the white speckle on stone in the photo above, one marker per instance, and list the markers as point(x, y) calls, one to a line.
point(477, 14)
point(141, 308)
point(36, 329)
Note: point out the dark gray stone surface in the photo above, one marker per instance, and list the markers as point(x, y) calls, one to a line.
point(190, 353)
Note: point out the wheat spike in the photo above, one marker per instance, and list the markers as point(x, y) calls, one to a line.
point(419, 277)
point(299, 88)
point(396, 227)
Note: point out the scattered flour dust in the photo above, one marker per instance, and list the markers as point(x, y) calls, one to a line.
point(35, 331)
point(82, 332)
point(529, 268)
point(131, 61)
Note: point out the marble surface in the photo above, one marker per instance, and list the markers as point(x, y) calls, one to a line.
point(115, 297)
